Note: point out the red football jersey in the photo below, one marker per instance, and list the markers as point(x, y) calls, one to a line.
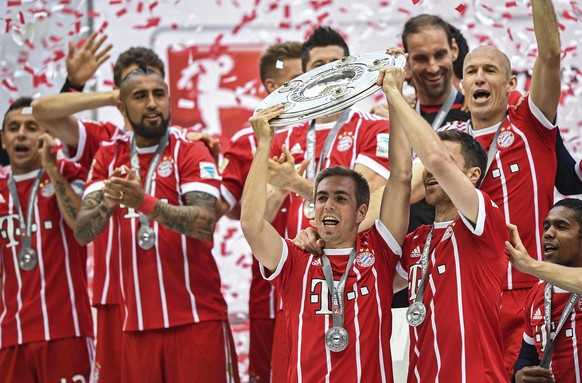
point(177, 281)
point(566, 358)
point(367, 303)
point(106, 245)
point(460, 339)
point(521, 177)
point(50, 301)
point(363, 139)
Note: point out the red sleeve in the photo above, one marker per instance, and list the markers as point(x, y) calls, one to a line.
point(98, 170)
point(237, 162)
point(372, 144)
point(197, 169)
point(91, 135)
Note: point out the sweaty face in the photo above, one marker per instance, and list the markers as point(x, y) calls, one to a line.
point(20, 139)
point(146, 105)
point(336, 212)
point(319, 56)
point(430, 62)
point(562, 241)
point(486, 84)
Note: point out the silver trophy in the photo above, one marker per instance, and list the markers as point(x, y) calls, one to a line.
point(330, 88)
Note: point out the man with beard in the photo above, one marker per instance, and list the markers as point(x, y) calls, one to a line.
point(162, 190)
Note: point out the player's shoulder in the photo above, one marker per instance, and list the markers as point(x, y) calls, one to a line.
point(366, 116)
point(242, 134)
point(292, 128)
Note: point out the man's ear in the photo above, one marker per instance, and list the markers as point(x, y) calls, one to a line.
point(474, 174)
point(270, 85)
point(362, 211)
point(511, 84)
point(455, 49)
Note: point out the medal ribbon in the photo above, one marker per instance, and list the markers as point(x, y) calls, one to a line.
point(144, 220)
point(493, 147)
point(549, 347)
point(424, 265)
point(337, 294)
point(445, 108)
point(25, 225)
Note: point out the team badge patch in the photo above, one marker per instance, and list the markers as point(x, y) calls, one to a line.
point(223, 164)
point(165, 168)
point(580, 305)
point(47, 190)
point(448, 233)
point(208, 170)
point(365, 259)
point(505, 139)
point(382, 144)
point(345, 143)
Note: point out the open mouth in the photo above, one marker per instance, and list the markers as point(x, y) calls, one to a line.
point(549, 248)
point(329, 221)
point(481, 95)
point(21, 149)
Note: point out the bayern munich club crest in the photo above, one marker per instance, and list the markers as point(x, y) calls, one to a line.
point(505, 139)
point(345, 143)
point(365, 259)
point(47, 190)
point(165, 168)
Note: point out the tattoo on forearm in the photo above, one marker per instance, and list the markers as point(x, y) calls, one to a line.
point(92, 218)
point(196, 219)
point(65, 196)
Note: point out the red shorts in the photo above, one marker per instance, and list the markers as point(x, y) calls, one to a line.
point(107, 366)
point(201, 352)
point(512, 325)
point(281, 353)
point(260, 349)
point(59, 360)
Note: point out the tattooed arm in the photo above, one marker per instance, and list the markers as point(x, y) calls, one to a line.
point(196, 219)
point(68, 200)
point(92, 218)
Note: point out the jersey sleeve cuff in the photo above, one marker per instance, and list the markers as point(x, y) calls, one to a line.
point(266, 273)
point(80, 144)
point(373, 165)
point(528, 339)
point(228, 197)
point(539, 115)
point(400, 270)
point(93, 188)
point(200, 187)
point(388, 238)
point(481, 215)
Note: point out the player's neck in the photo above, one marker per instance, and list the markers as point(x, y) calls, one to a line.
point(488, 120)
point(323, 120)
point(446, 212)
point(142, 142)
point(27, 168)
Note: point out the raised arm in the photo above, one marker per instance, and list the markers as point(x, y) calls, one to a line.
point(263, 239)
point(68, 200)
point(430, 148)
point(545, 83)
point(395, 209)
point(56, 112)
point(83, 63)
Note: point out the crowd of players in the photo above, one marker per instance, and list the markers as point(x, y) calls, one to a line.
point(442, 225)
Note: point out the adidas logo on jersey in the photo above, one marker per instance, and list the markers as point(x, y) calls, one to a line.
point(538, 314)
point(296, 149)
point(416, 252)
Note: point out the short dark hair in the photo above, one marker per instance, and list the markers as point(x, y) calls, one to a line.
point(322, 36)
point(135, 56)
point(423, 21)
point(471, 150)
point(277, 52)
point(463, 50)
point(362, 186)
point(19, 103)
point(575, 206)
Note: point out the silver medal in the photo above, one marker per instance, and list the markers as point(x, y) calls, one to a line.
point(27, 259)
point(309, 209)
point(416, 313)
point(146, 237)
point(336, 339)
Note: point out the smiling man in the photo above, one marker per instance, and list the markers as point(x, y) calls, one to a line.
point(562, 246)
point(337, 307)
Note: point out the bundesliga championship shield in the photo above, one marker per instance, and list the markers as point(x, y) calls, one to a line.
point(330, 88)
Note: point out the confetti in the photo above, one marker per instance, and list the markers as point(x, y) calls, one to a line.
point(461, 8)
point(151, 23)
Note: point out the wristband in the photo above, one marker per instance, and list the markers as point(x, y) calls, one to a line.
point(68, 87)
point(147, 205)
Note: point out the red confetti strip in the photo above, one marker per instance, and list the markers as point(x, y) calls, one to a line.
point(121, 12)
point(405, 11)
point(384, 4)
point(568, 50)
point(103, 26)
point(487, 8)
point(80, 43)
point(139, 7)
point(14, 3)
point(77, 26)
point(9, 85)
point(315, 4)
point(510, 4)
point(8, 21)
point(174, 26)
point(568, 16)
point(21, 17)
point(152, 22)
point(93, 14)
point(509, 34)
point(29, 43)
point(153, 5)
point(286, 11)
point(245, 20)
point(414, 2)
point(322, 17)
point(108, 83)
point(506, 15)
point(58, 54)
point(461, 8)
point(28, 68)
point(115, 2)
point(272, 7)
